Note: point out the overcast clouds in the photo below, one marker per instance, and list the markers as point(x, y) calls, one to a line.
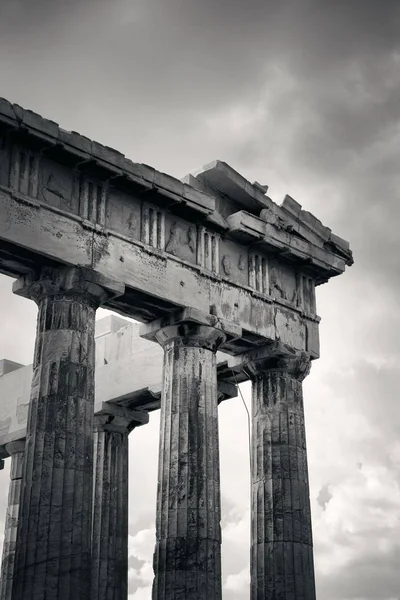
point(303, 96)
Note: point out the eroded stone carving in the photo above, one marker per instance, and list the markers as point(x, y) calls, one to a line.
point(191, 239)
point(226, 264)
point(173, 240)
point(275, 284)
point(273, 219)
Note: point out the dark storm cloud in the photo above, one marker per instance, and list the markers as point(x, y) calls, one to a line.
point(188, 54)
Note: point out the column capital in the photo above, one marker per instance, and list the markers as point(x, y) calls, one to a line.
point(191, 327)
point(15, 446)
point(275, 357)
point(68, 281)
point(118, 419)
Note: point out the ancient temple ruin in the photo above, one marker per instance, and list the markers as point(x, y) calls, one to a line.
point(223, 280)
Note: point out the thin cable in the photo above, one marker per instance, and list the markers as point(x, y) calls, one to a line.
point(248, 421)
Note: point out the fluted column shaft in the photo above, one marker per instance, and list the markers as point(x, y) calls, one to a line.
point(187, 558)
point(54, 534)
point(281, 538)
point(16, 451)
point(110, 501)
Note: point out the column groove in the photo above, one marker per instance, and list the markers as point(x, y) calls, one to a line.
point(187, 558)
point(110, 501)
point(281, 538)
point(54, 534)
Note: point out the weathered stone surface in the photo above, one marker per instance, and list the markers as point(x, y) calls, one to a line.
point(281, 538)
point(187, 558)
point(220, 176)
point(16, 450)
point(110, 501)
point(54, 533)
point(159, 280)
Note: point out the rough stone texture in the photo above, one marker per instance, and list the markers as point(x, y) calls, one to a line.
point(16, 451)
point(187, 558)
point(53, 553)
point(281, 538)
point(110, 502)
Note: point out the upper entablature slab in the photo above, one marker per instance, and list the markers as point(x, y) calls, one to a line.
point(233, 190)
point(229, 185)
point(195, 219)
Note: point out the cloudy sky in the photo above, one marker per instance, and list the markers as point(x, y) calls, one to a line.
point(302, 95)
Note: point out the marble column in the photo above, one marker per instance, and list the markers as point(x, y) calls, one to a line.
point(110, 501)
point(187, 557)
point(16, 451)
point(54, 534)
point(281, 539)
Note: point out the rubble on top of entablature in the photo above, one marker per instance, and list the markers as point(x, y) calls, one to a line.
point(293, 210)
point(235, 191)
point(307, 225)
point(263, 188)
point(341, 247)
point(273, 218)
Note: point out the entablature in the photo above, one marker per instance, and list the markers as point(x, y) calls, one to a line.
point(213, 241)
point(217, 196)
